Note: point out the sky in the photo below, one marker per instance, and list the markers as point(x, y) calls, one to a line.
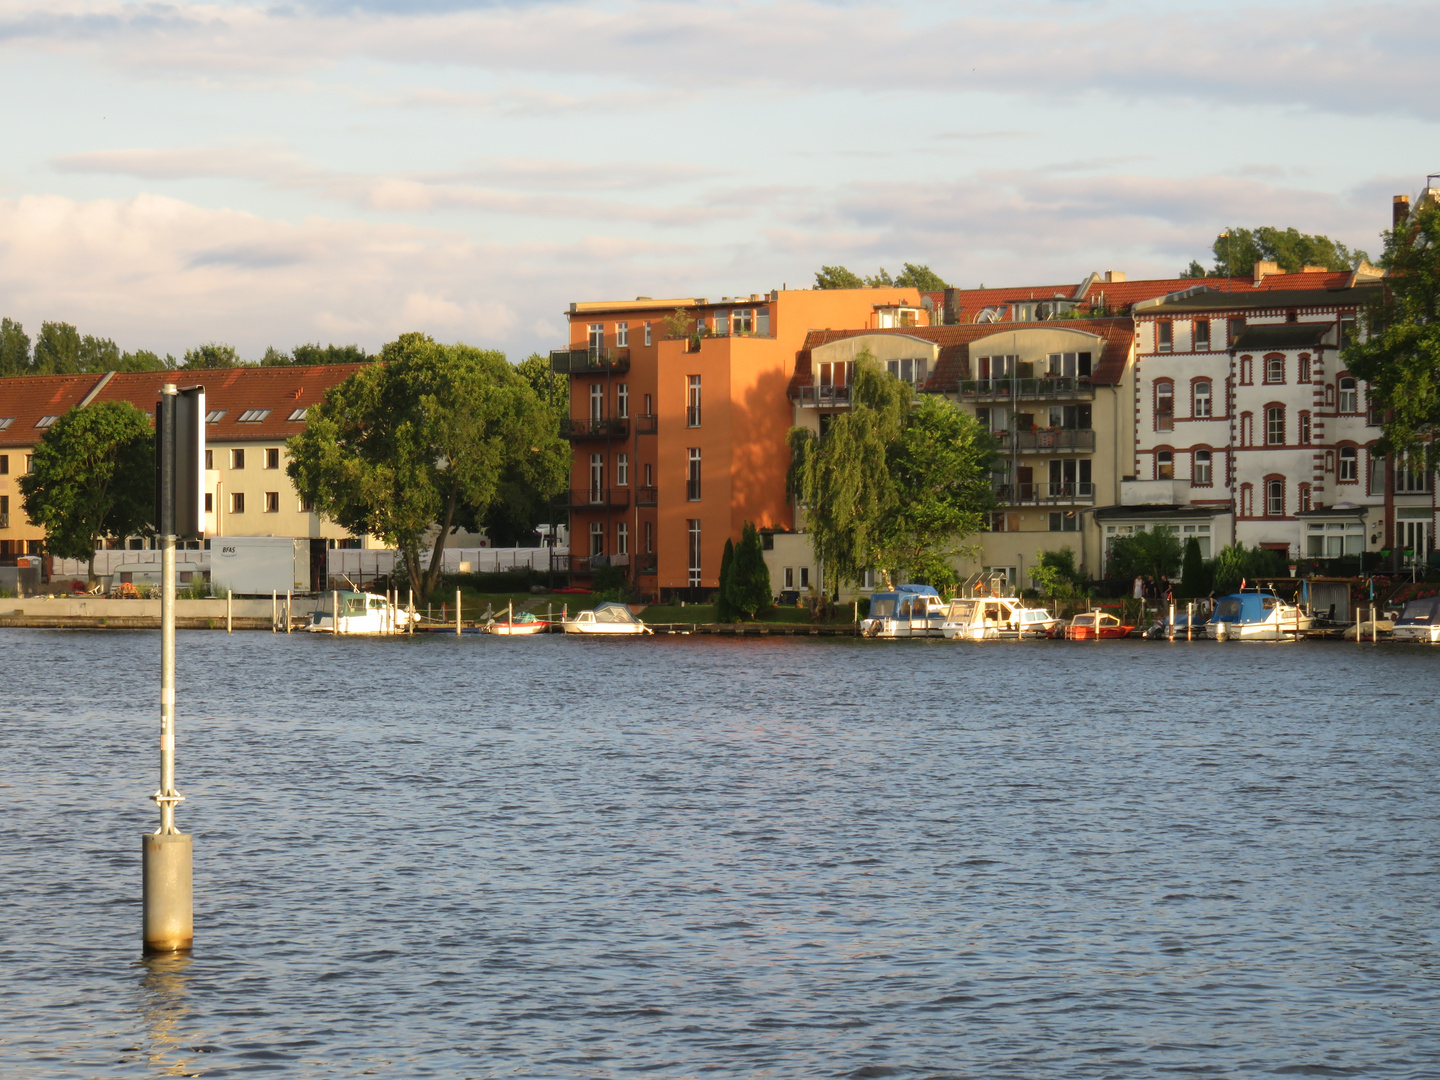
point(344, 172)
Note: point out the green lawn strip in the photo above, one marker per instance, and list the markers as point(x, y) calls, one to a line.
point(472, 604)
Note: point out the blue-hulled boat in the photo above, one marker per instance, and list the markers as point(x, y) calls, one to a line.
point(1257, 615)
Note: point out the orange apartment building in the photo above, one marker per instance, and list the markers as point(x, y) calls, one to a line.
point(679, 439)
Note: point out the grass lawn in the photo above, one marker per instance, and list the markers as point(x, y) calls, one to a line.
point(472, 604)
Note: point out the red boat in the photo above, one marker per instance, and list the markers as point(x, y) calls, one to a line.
point(1096, 624)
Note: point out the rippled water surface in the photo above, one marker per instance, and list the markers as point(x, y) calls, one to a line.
point(553, 857)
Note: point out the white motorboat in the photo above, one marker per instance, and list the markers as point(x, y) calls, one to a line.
point(607, 618)
point(979, 618)
point(1256, 616)
point(521, 625)
point(358, 613)
point(1420, 621)
point(907, 611)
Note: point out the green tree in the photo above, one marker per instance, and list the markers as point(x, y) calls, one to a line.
point(273, 357)
point(922, 278)
point(408, 444)
point(724, 609)
point(837, 277)
point(14, 349)
point(894, 484)
point(210, 356)
point(679, 323)
point(748, 588)
point(99, 354)
point(1153, 554)
point(1194, 270)
point(1237, 250)
point(309, 355)
point(57, 350)
point(1398, 354)
point(1236, 564)
point(1194, 574)
point(1056, 574)
point(549, 387)
point(93, 478)
point(145, 360)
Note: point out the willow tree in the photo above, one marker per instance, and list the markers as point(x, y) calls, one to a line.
point(428, 434)
point(1400, 355)
point(894, 484)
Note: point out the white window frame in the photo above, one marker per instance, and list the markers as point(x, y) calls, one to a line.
point(622, 470)
point(622, 335)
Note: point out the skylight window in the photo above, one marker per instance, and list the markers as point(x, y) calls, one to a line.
point(253, 416)
point(214, 416)
point(299, 414)
point(46, 421)
point(6, 421)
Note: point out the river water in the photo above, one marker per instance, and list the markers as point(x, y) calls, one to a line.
point(475, 857)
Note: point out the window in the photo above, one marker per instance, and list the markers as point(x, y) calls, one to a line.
point(1164, 465)
point(1349, 395)
point(1202, 335)
point(214, 416)
point(46, 421)
point(692, 474)
point(694, 531)
point(597, 477)
point(597, 401)
point(1274, 369)
point(649, 406)
point(1233, 329)
point(1200, 473)
point(6, 421)
point(1305, 429)
point(237, 459)
point(272, 457)
point(1349, 465)
point(789, 578)
point(1067, 365)
point(1304, 373)
point(209, 503)
point(1246, 375)
point(237, 502)
point(253, 416)
point(1332, 539)
point(4, 464)
point(1202, 398)
point(908, 370)
point(649, 337)
point(804, 577)
point(29, 464)
point(1304, 499)
point(272, 502)
point(1064, 521)
point(836, 373)
point(622, 400)
point(1274, 498)
point(209, 459)
point(1247, 500)
point(597, 538)
point(1347, 329)
point(692, 400)
point(299, 414)
point(1410, 478)
point(743, 321)
point(1275, 425)
point(1164, 405)
point(622, 470)
point(762, 321)
point(304, 505)
point(596, 339)
point(1247, 429)
point(649, 475)
point(622, 334)
point(1164, 336)
point(649, 538)
point(622, 538)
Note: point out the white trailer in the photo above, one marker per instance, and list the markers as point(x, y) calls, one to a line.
point(260, 565)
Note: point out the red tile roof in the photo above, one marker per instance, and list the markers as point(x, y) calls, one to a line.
point(954, 341)
point(277, 391)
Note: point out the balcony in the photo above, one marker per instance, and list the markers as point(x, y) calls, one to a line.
point(598, 499)
point(589, 361)
point(586, 564)
point(825, 397)
point(1049, 441)
point(646, 424)
point(647, 496)
point(594, 429)
point(1017, 389)
point(1061, 494)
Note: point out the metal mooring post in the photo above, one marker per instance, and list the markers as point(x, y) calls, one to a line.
point(168, 923)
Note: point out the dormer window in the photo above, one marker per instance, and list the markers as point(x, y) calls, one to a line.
point(299, 414)
point(46, 421)
point(253, 416)
point(6, 421)
point(909, 370)
point(214, 416)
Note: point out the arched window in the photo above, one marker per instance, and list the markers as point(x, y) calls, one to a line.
point(1245, 362)
point(1304, 498)
point(1247, 429)
point(1329, 395)
point(1274, 497)
point(1164, 465)
point(1200, 472)
point(1164, 405)
point(1247, 500)
point(1304, 429)
point(1275, 425)
point(1274, 369)
point(1304, 375)
point(1349, 465)
point(1202, 398)
point(1349, 395)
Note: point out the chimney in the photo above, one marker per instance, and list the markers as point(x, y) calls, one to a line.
point(1400, 211)
point(1114, 277)
point(1263, 268)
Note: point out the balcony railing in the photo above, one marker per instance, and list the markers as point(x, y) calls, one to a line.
point(587, 361)
point(647, 496)
point(1052, 440)
point(585, 564)
point(823, 397)
point(594, 429)
point(598, 498)
point(646, 424)
point(1016, 389)
point(1044, 494)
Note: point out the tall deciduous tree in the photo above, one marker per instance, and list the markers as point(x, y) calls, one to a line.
point(914, 276)
point(93, 478)
point(57, 350)
point(212, 355)
point(894, 484)
point(414, 441)
point(14, 348)
point(1399, 352)
point(1237, 251)
point(837, 277)
point(551, 388)
point(1153, 554)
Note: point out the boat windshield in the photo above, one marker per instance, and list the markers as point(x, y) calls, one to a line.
point(354, 605)
point(882, 609)
point(1421, 611)
point(961, 611)
point(613, 613)
point(1084, 620)
point(1228, 609)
